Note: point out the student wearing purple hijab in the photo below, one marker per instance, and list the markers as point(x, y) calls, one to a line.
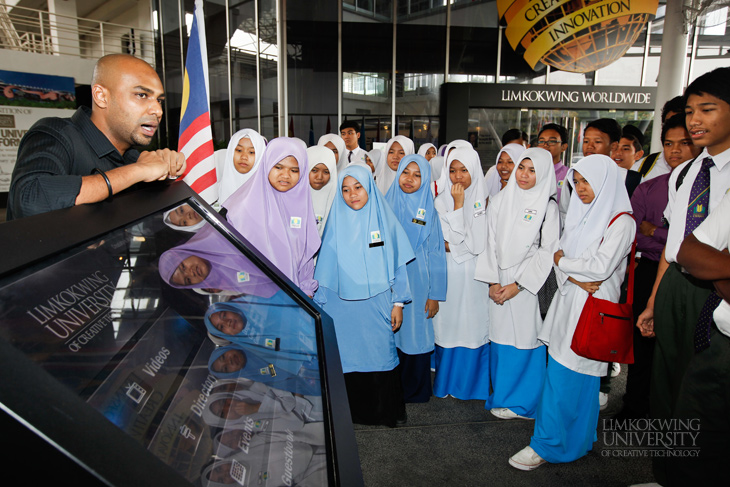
point(211, 263)
point(273, 210)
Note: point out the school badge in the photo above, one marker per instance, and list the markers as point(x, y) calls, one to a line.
point(479, 209)
point(375, 239)
point(243, 276)
point(295, 222)
point(529, 215)
point(420, 217)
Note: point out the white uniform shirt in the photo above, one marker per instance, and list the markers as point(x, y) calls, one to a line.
point(358, 155)
point(601, 261)
point(715, 231)
point(679, 199)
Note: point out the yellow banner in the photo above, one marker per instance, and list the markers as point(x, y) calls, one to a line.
point(529, 14)
point(582, 19)
point(505, 6)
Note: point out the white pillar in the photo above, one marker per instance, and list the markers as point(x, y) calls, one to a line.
point(671, 66)
point(64, 27)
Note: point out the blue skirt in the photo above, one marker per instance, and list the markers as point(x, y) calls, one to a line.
point(567, 415)
point(517, 378)
point(462, 372)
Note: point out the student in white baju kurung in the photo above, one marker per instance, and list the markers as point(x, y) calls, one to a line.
point(522, 236)
point(592, 258)
point(461, 328)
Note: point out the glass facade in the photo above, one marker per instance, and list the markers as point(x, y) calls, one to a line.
point(301, 68)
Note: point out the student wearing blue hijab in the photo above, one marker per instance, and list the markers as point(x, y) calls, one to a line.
point(293, 372)
point(412, 202)
point(363, 286)
point(275, 323)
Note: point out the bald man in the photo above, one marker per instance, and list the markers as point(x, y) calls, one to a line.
point(87, 158)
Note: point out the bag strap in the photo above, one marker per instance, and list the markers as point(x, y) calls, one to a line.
point(683, 174)
point(648, 164)
point(632, 256)
point(539, 242)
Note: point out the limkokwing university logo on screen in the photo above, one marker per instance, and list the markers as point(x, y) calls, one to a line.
point(574, 35)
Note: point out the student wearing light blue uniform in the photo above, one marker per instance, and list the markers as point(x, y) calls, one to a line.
point(411, 200)
point(363, 286)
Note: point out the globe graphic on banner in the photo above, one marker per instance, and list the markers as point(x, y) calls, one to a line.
point(574, 35)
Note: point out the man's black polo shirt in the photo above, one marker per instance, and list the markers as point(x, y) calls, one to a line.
point(53, 156)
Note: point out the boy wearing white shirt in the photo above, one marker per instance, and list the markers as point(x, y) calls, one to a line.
point(678, 297)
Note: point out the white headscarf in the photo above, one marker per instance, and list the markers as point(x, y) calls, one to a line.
point(492, 178)
point(584, 224)
point(424, 148)
point(520, 212)
point(437, 166)
point(191, 228)
point(231, 179)
point(341, 148)
point(322, 199)
point(444, 172)
point(475, 215)
point(376, 156)
point(385, 176)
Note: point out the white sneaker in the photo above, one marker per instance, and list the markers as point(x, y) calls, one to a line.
point(602, 400)
point(615, 369)
point(506, 413)
point(526, 459)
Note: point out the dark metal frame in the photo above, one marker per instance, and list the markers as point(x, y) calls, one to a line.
point(37, 400)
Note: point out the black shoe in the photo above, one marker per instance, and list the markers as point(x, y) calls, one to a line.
point(402, 420)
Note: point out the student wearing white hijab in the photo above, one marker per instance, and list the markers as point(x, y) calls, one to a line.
point(183, 218)
point(322, 182)
point(497, 175)
point(441, 182)
point(592, 259)
point(461, 328)
point(428, 151)
point(397, 148)
point(335, 143)
point(245, 150)
point(522, 236)
point(375, 157)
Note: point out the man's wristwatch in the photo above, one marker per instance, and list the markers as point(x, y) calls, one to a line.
point(520, 287)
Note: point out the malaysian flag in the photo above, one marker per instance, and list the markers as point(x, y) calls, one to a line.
point(196, 137)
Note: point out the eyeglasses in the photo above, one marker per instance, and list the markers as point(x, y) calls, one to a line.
point(548, 142)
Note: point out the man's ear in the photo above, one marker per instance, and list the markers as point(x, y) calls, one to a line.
point(358, 135)
point(100, 96)
point(638, 155)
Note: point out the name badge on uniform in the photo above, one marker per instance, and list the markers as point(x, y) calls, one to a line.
point(243, 276)
point(478, 209)
point(269, 370)
point(295, 222)
point(375, 239)
point(529, 215)
point(420, 217)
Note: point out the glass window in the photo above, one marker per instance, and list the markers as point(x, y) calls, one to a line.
point(367, 57)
